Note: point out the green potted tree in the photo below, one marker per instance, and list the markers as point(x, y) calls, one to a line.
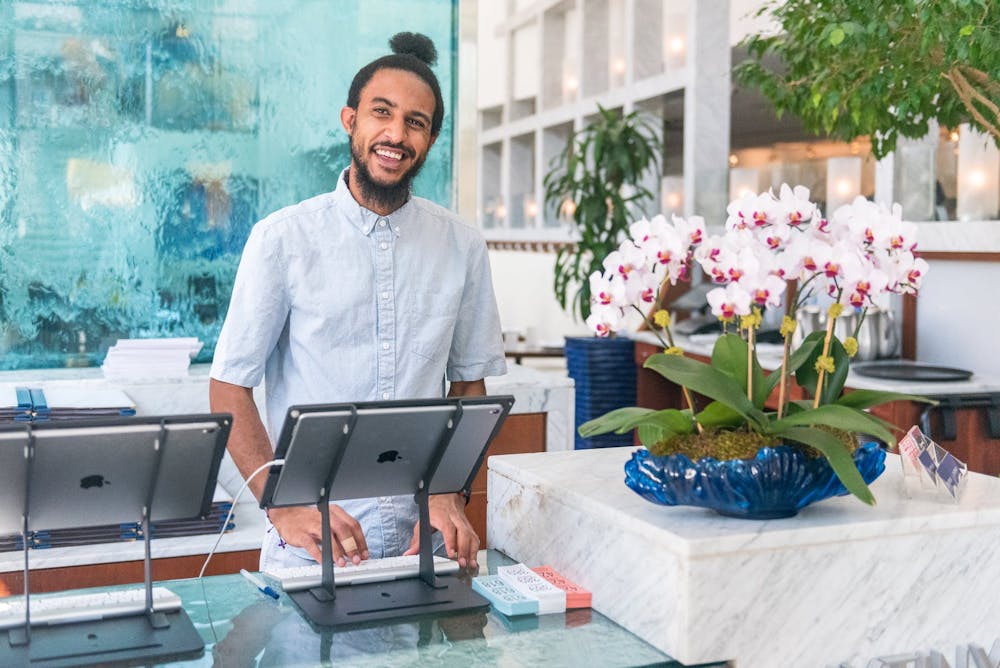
point(850, 68)
point(597, 180)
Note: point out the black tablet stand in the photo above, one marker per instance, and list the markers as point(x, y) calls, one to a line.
point(129, 637)
point(327, 605)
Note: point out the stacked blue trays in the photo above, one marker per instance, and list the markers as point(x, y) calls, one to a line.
point(604, 373)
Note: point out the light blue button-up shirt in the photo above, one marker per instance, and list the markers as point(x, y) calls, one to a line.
point(334, 303)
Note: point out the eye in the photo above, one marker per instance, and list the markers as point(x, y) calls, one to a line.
point(417, 123)
point(381, 111)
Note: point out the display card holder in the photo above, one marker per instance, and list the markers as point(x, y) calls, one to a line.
point(82, 473)
point(930, 471)
point(368, 449)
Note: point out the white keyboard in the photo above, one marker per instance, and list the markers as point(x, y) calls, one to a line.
point(298, 578)
point(63, 609)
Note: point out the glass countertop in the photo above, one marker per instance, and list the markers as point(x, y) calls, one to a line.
point(243, 627)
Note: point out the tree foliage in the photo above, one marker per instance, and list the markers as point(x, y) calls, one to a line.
point(883, 68)
point(601, 170)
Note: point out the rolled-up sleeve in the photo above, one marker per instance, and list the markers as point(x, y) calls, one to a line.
point(258, 311)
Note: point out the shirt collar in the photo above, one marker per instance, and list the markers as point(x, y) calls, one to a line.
point(362, 218)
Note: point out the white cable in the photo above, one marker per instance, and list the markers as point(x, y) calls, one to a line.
point(229, 516)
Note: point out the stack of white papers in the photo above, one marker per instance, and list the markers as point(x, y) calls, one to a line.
point(150, 358)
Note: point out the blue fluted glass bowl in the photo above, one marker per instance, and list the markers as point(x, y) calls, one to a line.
point(777, 483)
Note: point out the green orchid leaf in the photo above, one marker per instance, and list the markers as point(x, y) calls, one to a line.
point(838, 417)
point(869, 398)
point(661, 425)
point(618, 421)
point(796, 359)
point(729, 355)
point(836, 453)
point(704, 379)
point(651, 423)
point(717, 415)
point(806, 375)
point(670, 420)
point(650, 434)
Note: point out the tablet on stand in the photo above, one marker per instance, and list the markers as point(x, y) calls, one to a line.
point(81, 473)
point(387, 448)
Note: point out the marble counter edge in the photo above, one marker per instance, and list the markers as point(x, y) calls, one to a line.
point(709, 535)
point(769, 356)
point(246, 535)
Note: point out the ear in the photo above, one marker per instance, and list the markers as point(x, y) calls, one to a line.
point(347, 116)
point(434, 138)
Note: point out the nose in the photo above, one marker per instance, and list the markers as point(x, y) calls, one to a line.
point(394, 130)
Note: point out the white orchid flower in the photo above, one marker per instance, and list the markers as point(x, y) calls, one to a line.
point(796, 208)
point(729, 302)
point(603, 320)
point(765, 289)
point(693, 228)
point(608, 289)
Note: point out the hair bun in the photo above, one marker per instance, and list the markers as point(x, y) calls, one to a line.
point(414, 44)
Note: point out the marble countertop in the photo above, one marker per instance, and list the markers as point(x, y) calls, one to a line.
point(841, 583)
point(517, 380)
point(534, 391)
point(581, 480)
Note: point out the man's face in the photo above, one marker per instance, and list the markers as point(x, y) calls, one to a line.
point(390, 136)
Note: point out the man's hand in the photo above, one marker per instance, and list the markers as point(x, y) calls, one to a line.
point(447, 513)
point(302, 526)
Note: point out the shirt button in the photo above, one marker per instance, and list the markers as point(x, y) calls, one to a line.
point(385, 395)
point(385, 295)
point(383, 245)
point(382, 223)
point(385, 346)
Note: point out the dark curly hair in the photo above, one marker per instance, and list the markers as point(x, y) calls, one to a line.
point(412, 52)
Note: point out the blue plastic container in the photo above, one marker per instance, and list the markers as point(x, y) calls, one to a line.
point(604, 373)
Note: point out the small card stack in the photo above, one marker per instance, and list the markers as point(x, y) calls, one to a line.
point(519, 590)
point(504, 598)
point(576, 596)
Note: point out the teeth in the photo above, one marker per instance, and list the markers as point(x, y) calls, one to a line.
point(395, 155)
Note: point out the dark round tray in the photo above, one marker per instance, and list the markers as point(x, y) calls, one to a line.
point(910, 371)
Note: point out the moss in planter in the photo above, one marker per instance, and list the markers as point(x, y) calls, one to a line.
point(736, 444)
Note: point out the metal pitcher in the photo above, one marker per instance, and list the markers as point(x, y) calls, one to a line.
point(877, 337)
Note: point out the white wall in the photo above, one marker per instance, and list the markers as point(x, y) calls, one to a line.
point(523, 283)
point(492, 53)
point(958, 322)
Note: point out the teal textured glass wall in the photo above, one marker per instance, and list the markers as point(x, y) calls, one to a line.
point(140, 140)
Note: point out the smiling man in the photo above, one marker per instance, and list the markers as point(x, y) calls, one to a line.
point(364, 293)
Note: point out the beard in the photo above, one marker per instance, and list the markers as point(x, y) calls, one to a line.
point(383, 196)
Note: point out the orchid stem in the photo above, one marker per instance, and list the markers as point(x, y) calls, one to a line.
point(861, 321)
point(751, 338)
point(783, 384)
point(670, 343)
point(826, 351)
point(792, 293)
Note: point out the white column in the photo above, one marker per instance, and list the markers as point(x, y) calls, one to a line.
point(706, 110)
point(843, 182)
point(978, 175)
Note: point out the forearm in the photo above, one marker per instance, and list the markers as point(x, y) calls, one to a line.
point(249, 445)
point(471, 388)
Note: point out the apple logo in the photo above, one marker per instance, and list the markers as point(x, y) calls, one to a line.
point(388, 456)
point(96, 480)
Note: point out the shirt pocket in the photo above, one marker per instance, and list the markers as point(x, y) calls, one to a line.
point(435, 314)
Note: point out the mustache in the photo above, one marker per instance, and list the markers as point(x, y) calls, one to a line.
point(395, 147)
